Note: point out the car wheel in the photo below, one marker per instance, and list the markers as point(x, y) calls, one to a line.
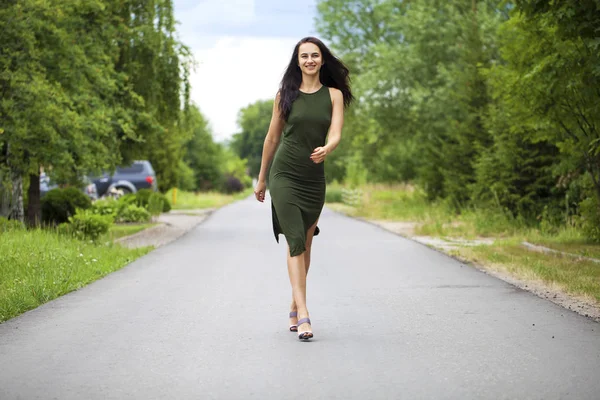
point(124, 190)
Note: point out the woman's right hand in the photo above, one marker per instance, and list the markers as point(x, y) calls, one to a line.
point(259, 191)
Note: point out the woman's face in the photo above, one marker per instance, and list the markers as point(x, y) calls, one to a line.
point(309, 58)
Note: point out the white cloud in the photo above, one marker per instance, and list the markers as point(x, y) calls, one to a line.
point(235, 72)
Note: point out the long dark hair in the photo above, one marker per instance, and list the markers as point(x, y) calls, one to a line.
point(333, 73)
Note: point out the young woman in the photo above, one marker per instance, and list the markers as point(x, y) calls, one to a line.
point(308, 108)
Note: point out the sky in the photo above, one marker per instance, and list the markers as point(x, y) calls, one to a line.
point(241, 48)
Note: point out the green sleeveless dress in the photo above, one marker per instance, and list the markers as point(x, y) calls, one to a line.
point(296, 183)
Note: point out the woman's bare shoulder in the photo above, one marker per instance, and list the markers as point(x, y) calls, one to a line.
point(335, 93)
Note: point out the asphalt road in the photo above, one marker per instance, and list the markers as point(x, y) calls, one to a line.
point(205, 317)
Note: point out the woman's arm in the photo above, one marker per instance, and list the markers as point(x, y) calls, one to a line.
point(271, 140)
point(335, 129)
point(269, 147)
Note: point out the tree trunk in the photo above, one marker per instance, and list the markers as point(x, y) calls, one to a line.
point(5, 196)
point(17, 212)
point(34, 210)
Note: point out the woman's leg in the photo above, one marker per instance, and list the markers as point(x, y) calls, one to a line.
point(306, 255)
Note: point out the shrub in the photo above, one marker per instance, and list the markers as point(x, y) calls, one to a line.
point(232, 185)
point(590, 218)
point(60, 204)
point(128, 199)
point(166, 203)
point(133, 213)
point(107, 207)
point(65, 229)
point(155, 204)
point(9, 225)
point(333, 195)
point(142, 197)
point(87, 225)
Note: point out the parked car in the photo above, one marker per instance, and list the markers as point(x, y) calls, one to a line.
point(129, 179)
point(89, 187)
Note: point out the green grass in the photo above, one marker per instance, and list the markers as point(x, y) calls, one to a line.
point(120, 230)
point(569, 240)
point(575, 276)
point(406, 203)
point(37, 266)
point(192, 201)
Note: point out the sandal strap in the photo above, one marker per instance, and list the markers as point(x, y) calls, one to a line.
point(293, 314)
point(304, 321)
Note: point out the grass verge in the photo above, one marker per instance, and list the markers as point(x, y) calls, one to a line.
point(191, 201)
point(37, 266)
point(120, 230)
point(571, 275)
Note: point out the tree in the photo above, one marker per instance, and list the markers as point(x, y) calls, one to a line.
point(87, 86)
point(202, 154)
point(59, 87)
point(157, 68)
point(254, 122)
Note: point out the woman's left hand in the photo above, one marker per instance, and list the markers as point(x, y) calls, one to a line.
point(318, 155)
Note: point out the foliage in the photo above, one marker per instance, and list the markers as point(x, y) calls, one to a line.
point(87, 86)
point(60, 204)
point(85, 224)
point(233, 166)
point(333, 194)
point(203, 200)
point(9, 225)
point(106, 207)
point(482, 103)
point(186, 177)
point(133, 213)
point(590, 218)
point(142, 196)
point(254, 122)
point(155, 204)
point(166, 204)
point(203, 155)
point(232, 185)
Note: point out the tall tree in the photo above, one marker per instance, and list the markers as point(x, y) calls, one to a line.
point(254, 122)
point(202, 154)
point(157, 66)
point(59, 87)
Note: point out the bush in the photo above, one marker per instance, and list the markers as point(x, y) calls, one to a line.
point(590, 218)
point(87, 225)
point(232, 185)
point(187, 177)
point(142, 197)
point(133, 213)
point(155, 204)
point(65, 229)
point(128, 199)
point(333, 195)
point(60, 204)
point(166, 203)
point(9, 225)
point(107, 207)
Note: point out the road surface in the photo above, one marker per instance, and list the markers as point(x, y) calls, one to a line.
point(205, 317)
